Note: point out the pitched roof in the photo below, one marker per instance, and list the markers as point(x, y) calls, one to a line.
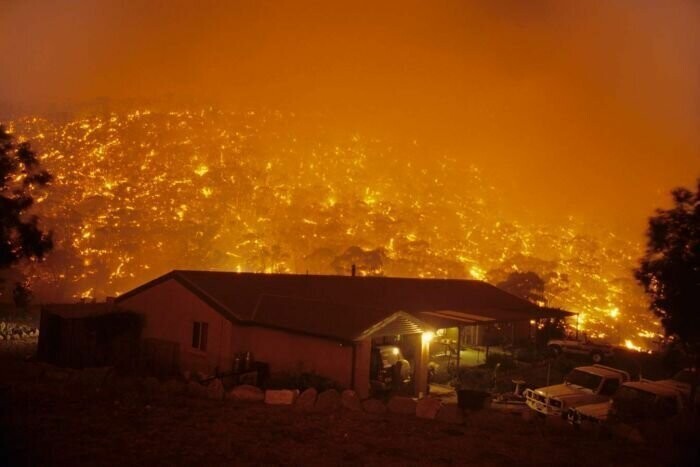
point(343, 306)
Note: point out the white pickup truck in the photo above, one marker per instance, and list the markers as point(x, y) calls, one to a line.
point(583, 385)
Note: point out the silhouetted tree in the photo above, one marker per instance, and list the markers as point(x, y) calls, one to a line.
point(670, 269)
point(368, 262)
point(22, 295)
point(526, 285)
point(20, 172)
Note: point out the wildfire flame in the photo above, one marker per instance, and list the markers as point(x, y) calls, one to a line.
point(139, 193)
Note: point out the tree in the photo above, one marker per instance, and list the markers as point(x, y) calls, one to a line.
point(669, 271)
point(20, 173)
point(526, 285)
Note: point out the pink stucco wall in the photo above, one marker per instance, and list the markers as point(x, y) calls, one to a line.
point(170, 310)
point(293, 353)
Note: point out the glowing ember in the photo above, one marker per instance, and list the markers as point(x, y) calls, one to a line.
point(139, 193)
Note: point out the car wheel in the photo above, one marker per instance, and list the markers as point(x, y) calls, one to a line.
point(597, 357)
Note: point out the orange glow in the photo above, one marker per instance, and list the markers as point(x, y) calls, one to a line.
point(449, 140)
point(170, 205)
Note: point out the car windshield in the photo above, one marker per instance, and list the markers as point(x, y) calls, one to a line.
point(638, 402)
point(629, 393)
point(584, 379)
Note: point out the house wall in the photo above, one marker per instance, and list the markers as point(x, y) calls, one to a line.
point(287, 352)
point(169, 311)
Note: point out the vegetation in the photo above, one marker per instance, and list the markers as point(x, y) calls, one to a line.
point(670, 267)
point(20, 234)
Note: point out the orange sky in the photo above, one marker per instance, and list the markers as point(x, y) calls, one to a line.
point(571, 108)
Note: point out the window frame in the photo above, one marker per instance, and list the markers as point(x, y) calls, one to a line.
point(200, 336)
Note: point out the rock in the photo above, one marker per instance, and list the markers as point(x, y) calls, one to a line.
point(328, 401)
point(374, 406)
point(350, 400)
point(195, 389)
point(428, 407)
point(247, 393)
point(450, 414)
point(280, 396)
point(402, 405)
point(215, 390)
point(306, 400)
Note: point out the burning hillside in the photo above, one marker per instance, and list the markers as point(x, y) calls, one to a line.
point(139, 193)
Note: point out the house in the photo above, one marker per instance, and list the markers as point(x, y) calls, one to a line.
point(312, 323)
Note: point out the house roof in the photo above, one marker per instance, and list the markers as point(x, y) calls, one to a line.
point(344, 307)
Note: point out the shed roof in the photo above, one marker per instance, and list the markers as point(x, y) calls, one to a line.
point(344, 307)
point(81, 310)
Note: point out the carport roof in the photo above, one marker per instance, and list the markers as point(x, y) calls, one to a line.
point(346, 307)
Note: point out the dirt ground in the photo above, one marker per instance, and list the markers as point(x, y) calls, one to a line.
point(48, 420)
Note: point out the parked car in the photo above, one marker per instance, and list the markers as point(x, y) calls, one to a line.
point(583, 385)
point(388, 368)
point(632, 403)
point(682, 382)
point(597, 351)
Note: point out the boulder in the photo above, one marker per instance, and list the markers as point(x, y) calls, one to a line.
point(246, 392)
point(306, 400)
point(402, 405)
point(428, 407)
point(215, 390)
point(350, 400)
point(374, 406)
point(281, 396)
point(328, 401)
point(450, 414)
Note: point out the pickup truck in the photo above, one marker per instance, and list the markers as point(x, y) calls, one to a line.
point(582, 386)
point(597, 352)
point(632, 403)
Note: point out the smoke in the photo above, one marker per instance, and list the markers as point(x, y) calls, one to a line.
point(585, 109)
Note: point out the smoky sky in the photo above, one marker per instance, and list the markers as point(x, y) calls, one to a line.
point(583, 108)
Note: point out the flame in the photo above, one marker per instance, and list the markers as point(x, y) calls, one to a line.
point(191, 188)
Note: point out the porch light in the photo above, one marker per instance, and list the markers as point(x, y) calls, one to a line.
point(427, 336)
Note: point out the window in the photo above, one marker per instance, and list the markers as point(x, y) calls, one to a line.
point(199, 335)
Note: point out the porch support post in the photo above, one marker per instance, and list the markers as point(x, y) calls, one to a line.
point(421, 373)
point(360, 375)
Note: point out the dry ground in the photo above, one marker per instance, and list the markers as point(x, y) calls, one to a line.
point(48, 421)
